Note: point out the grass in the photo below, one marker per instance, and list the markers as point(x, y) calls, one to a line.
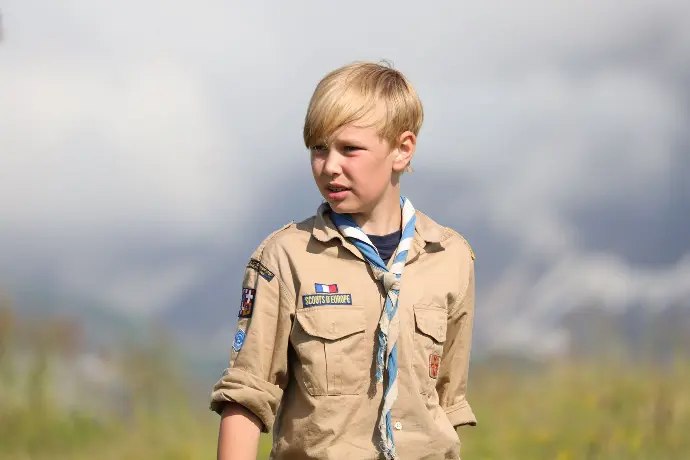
point(568, 409)
point(575, 410)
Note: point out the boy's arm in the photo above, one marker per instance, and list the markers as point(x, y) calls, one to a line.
point(238, 437)
point(251, 388)
point(454, 370)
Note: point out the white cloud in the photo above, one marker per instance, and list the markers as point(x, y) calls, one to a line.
point(87, 150)
point(113, 123)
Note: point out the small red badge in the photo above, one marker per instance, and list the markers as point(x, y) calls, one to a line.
point(434, 364)
point(247, 306)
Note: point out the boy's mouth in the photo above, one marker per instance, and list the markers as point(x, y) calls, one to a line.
point(337, 192)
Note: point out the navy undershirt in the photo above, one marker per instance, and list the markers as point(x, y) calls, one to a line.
point(386, 244)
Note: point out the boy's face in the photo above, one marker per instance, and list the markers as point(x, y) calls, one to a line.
point(357, 172)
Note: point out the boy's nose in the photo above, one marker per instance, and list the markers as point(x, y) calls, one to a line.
point(332, 165)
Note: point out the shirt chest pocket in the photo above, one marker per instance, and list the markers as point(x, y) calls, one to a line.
point(430, 336)
point(330, 342)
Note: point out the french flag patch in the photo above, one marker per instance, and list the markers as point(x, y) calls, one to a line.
point(326, 288)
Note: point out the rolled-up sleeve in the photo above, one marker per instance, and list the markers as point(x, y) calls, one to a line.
point(258, 367)
point(454, 370)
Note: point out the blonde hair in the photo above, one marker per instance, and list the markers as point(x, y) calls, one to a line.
point(359, 91)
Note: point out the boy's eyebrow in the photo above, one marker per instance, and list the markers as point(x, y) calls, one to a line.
point(349, 140)
point(348, 143)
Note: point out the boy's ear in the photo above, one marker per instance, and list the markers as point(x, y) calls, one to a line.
point(407, 143)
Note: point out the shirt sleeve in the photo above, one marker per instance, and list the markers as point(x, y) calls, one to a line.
point(454, 370)
point(258, 367)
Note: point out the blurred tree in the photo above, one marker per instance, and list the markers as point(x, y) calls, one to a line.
point(6, 324)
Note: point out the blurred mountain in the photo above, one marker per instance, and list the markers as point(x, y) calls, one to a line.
point(638, 334)
point(100, 326)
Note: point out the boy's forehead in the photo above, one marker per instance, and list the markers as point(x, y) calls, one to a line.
point(356, 131)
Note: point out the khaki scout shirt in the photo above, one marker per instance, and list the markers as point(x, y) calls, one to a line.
point(304, 361)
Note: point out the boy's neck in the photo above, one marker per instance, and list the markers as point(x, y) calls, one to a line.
point(384, 219)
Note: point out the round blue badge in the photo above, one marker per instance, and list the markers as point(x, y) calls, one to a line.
point(239, 339)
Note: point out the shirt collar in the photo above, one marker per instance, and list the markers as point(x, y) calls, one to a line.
point(427, 229)
point(324, 230)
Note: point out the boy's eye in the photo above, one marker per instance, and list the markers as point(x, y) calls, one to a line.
point(318, 148)
point(351, 148)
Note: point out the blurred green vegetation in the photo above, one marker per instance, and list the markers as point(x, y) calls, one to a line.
point(137, 403)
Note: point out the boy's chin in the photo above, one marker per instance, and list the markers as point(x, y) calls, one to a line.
point(342, 207)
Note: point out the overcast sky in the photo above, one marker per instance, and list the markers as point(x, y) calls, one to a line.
point(132, 125)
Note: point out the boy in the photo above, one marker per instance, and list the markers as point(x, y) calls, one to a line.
point(355, 325)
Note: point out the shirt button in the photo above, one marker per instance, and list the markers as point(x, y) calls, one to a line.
point(398, 426)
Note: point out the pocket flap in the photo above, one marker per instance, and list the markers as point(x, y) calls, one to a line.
point(431, 321)
point(332, 323)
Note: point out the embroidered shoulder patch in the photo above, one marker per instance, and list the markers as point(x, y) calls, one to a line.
point(247, 306)
point(240, 335)
point(261, 269)
point(434, 365)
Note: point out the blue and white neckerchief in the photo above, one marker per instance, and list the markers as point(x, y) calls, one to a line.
point(389, 324)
